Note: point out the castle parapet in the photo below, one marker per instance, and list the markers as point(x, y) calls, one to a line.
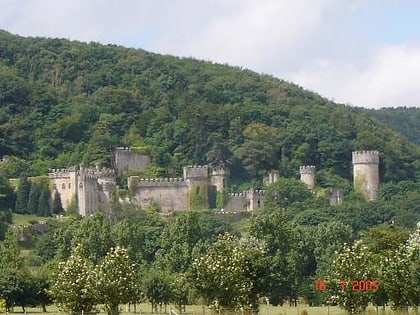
point(61, 172)
point(307, 169)
point(150, 182)
point(365, 157)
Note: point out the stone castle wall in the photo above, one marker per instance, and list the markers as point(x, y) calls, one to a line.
point(366, 173)
point(125, 159)
point(65, 182)
point(94, 187)
point(170, 194)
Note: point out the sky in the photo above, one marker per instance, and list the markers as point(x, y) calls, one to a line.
point(364, 53)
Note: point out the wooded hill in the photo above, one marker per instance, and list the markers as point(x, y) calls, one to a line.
point(65, 102)
point(405, 120)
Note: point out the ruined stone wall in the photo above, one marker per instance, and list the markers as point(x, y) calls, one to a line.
point(126, 159)
point(170, 194)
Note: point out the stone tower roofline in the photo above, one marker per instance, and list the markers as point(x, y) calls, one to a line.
point(196, 171)
point(365, 157)
point(307, 169)
point(219, 171)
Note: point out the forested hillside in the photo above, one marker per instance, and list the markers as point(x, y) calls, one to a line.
point(65, 102)
point(402, 119)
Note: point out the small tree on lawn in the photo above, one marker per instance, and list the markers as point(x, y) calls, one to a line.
point(232, 273)
point(157, 288)
point(73, 288)
point(116, 280)
point(353, 263)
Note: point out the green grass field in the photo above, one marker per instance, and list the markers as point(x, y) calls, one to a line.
point(146, 309)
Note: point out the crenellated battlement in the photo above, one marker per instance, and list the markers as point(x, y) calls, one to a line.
point(365, 157)
point(158, 182)
point(248, 193)
point(61, 172)
point(307, 169)
point(219, 171)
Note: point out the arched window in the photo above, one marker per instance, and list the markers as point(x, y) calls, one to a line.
point(63, 186)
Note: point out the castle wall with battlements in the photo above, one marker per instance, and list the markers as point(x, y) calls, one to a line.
point(171, 194)
point(251, 200)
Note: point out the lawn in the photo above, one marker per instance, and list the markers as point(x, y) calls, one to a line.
point(146, 309)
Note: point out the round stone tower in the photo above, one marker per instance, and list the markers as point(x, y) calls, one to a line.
point(220, 177)
point(366, 173)
point(307, 176)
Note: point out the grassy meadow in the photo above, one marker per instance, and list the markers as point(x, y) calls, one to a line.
point(146, 309)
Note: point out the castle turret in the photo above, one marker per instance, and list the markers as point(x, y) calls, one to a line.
point(272, 177)
point(366, 173)
point(219, 178)
point(307, 176)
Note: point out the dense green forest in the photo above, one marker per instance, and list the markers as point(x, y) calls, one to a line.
point(402, 119)
point(63, 103)
point(66, 102)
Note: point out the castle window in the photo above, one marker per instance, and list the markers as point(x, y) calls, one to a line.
point(54, 186)
point(81, 186)
point(63, 186)
point(197, 190)
point(69, 185)
point(258, 203)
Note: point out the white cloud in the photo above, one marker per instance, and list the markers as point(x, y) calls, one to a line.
point(390, 78)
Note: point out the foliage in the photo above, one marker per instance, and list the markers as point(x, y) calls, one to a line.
point(189, 234)
point(64, 102)
point(116, 280)
point(352, 264)
point(73, 288)
point(157, 288)
point(286, 192)
point(231, 274)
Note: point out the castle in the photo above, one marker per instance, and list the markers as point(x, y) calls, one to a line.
point(199, 187)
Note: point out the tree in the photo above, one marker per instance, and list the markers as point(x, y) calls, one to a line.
point(57, 207)
point(22, 195)
point(44, 201)
point(33, 198)
point(190, 231)
point(94, 235)
point(157, 288)
point(116, 280)
point(286, 192)
point(272, 228)
point(352, 266)
point(74, 287)
point(260, 149)
point(13, 274)
point(232, 273)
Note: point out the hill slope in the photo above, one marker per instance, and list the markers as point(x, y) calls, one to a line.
point(402, 119)
point(64, 102)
